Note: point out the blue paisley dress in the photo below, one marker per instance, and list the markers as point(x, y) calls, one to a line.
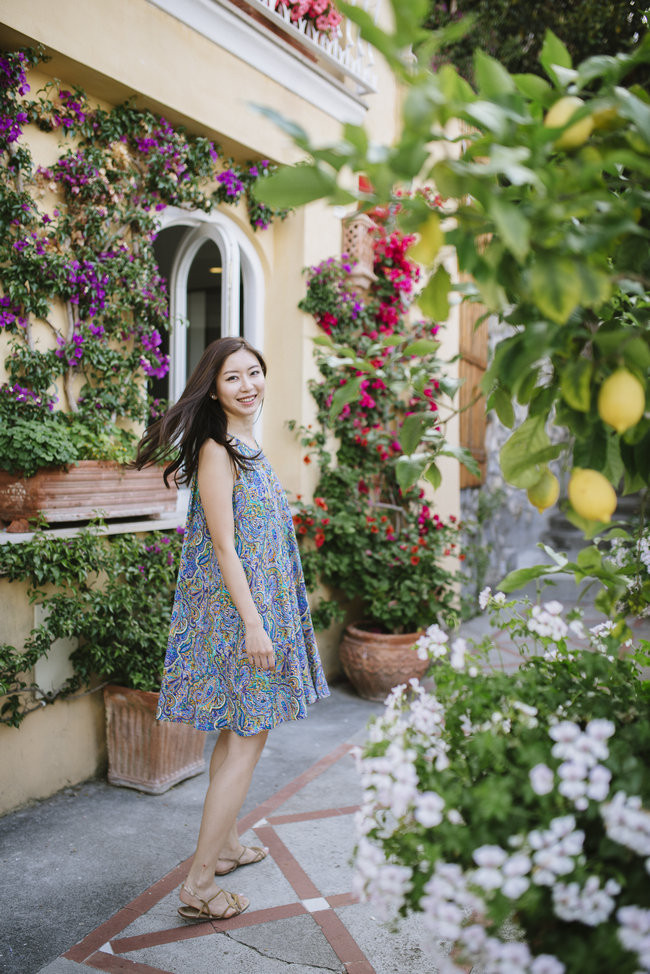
point(208, 680)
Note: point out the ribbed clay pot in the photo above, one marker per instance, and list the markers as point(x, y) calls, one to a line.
point(144, 753)
point(375, 662)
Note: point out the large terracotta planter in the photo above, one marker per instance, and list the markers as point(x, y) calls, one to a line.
point(375, 662)
point(144, 753)
point(78, 492)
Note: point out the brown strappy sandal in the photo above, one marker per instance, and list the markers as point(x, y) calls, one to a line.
point(200, 915)
point(237, 863)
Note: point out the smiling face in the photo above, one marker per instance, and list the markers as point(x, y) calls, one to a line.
point(240, 386)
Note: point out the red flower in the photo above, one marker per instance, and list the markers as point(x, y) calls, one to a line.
point(461, 557)
point(414, 559)
point(319, 502)
point(319, 539)
point(306, 459)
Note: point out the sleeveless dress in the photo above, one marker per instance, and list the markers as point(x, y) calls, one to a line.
point(208, 680)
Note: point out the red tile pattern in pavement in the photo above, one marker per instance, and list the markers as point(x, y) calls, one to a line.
point(90, 953)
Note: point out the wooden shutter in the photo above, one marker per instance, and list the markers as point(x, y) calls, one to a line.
point(473, 346)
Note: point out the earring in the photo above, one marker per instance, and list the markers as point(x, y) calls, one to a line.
point(212, 396)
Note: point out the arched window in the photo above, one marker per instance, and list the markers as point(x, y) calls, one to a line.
point(216, 288)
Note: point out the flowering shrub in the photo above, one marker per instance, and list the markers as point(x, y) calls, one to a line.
point(512, 810)
point(373, 534)
point(321, 13)
point(89, 253)
point(121, 622)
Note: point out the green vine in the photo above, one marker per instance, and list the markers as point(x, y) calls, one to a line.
point(112, 594)
point(77, 257)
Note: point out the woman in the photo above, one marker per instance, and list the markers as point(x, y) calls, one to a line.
point(242, 655)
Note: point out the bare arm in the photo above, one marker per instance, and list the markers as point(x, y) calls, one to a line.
point(216, 481)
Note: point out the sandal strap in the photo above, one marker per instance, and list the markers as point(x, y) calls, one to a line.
point(233, 902)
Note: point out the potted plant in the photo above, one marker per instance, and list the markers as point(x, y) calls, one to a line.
point(372, 534)
point(114, 596)
point(511, 811)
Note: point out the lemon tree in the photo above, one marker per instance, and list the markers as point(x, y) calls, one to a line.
point(546, 200)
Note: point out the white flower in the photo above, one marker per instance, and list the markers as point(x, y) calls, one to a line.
point(428, 809)
point(577, 628)
point(458, 650)
point(515, 887)
point(499, 598)
point(386, 890)
point(484, 598)
point(634, 932)
point(600, 729)
point(472, 671)
point(547, 964)
point(590, 905)
point(489, 855)
point(541, 779)
point(599, 779)
point(565, 731)
point(554, 607)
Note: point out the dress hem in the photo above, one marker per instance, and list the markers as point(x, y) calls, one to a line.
point(229, 725)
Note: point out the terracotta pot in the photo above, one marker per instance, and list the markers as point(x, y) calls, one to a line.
point(144, 753)
point(375, 662)
point(78, 492)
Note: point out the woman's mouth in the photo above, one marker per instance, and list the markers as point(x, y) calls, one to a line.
point(246, 400)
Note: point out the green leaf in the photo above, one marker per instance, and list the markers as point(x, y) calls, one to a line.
point(434, 300)
point(512, 226)
point(554, 52)
point(525, 452)
point(422, 347)
point(502, 404)
point(589, 559)
point(637, 353)
point(492, 79)
point(463, 455)
point(533, 87)
point(294, 186)
point(555, 287)
point(433, 475)
point(632, 108)
point(411, 431)
point(575, 384)
point(345, 394)
point(408, 470)
point(431, 239)
point(522, 576)
point(614, 467)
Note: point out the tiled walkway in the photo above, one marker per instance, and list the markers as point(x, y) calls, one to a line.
point(303, 916)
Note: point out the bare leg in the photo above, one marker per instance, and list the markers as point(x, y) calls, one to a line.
point(231, 777)
point(232, 847)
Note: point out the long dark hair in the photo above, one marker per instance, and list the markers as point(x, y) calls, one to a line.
point(177, 437)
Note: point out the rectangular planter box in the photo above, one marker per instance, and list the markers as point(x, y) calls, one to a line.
point(78, 492)
point(144, 753)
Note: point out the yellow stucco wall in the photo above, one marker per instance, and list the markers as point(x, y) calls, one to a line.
point(131, 48)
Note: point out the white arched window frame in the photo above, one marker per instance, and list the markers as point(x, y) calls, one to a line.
point(238, 257)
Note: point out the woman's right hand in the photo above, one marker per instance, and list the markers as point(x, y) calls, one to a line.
point(259, 648)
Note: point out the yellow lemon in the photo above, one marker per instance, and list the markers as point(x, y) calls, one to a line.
point(621, 400)
point(591, 495)
point(560, 113)
point(545, 492)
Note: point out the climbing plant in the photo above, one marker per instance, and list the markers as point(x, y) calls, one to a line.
point(82, 301)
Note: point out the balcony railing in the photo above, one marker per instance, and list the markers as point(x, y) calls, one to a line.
point(345, 56)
